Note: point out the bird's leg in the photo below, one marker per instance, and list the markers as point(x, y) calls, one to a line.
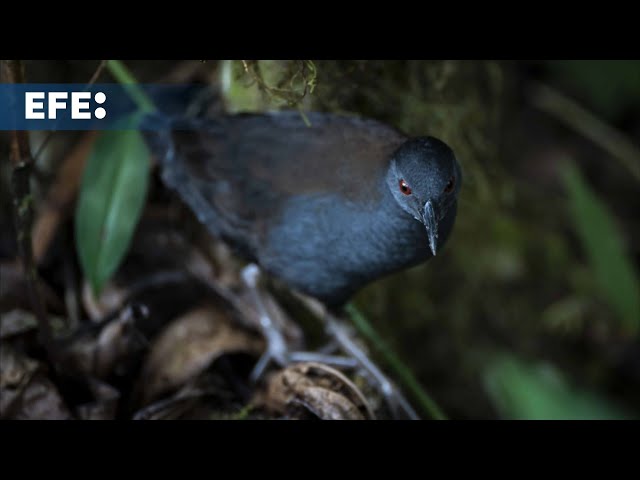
point(278, 352)
point(277, 349)
point(340, 334)
point(394, 398)
point(276, 344)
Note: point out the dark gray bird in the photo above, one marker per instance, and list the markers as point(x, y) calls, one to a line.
point(326, 208)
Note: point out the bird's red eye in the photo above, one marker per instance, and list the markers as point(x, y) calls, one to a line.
point(405, 188)
point(450, 185)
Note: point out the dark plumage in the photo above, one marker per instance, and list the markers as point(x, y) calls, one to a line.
point(327, 208)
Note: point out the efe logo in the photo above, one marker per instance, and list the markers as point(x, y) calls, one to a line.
point(80, 106)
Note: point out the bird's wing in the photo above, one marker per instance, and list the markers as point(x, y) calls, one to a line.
point(237, 171)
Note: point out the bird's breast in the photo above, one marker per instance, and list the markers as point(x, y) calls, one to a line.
point(330, 247)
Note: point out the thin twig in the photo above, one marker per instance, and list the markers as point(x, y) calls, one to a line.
point(12, 71)
point(586, 123)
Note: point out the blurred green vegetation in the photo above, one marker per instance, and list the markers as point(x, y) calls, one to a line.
point(114, 189)
point(540, 392)
point(541, 263)
point(604, 246)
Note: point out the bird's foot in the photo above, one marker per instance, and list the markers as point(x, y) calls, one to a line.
point(277, 350)
point(341, 336)
point(396, 401)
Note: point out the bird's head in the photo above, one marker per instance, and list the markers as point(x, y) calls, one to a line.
point(424, 178)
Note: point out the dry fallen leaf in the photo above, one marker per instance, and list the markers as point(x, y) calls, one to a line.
point(316, 389)
point(99, 350)
point(105, 405)
point(42, 401)
point(189, 345)
point(25, 392)
point(16, 322)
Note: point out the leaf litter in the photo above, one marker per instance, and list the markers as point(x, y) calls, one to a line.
point(173, 335)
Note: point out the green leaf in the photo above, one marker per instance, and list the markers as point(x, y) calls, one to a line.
point(605, 250)
point(540, 392)
point(112, 195)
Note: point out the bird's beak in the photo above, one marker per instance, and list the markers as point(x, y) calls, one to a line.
point(431, 222)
